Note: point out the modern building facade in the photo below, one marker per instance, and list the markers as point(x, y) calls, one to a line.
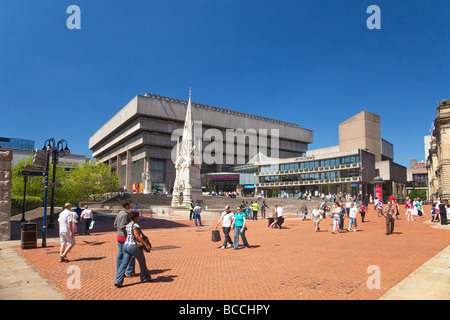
point(417, 178)
point(438, 160)
point(141, 137)
point(351, 167)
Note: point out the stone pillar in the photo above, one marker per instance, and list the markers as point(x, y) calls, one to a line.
point(129, 163)
point(5, 194)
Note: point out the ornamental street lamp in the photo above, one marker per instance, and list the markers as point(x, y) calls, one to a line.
point(58, 149)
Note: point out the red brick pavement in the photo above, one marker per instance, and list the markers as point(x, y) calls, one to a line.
point(289, 264)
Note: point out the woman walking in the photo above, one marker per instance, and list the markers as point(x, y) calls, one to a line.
point(130, 249)
point(409, 211)
point(239, 228)
point(317, 217)
point(336, 217)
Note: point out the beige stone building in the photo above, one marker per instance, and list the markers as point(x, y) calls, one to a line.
point(438, 161)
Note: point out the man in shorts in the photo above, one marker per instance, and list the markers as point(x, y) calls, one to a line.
point(65, 232)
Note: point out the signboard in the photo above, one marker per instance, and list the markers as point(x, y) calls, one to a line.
point(54, 185)
point(33, 173)
point(40, 157)
point(35, 168)
point(225, 177)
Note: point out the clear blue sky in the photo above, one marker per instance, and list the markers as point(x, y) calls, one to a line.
point(311, 62)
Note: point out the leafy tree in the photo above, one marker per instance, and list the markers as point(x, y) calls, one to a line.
point(84, 182)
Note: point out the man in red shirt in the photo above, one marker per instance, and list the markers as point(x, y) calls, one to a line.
point(121, 221)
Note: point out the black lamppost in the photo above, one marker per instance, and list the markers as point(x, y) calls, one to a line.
point(57, 150)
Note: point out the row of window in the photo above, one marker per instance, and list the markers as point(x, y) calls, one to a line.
point(310, 164)
point(313, 176)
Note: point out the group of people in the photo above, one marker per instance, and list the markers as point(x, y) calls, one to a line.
point(233, 221)
point(440, 211)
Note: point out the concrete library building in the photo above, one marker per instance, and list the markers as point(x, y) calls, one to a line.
point(140, 140)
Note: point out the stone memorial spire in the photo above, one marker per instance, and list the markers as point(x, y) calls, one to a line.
point(187, 186)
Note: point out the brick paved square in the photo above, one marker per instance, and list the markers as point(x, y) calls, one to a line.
point(294, 263)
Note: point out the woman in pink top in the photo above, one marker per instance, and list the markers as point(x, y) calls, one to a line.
point(409, 211)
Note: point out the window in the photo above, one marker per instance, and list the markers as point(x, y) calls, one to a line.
point(289, 166)
point(269, 168)
point(158, 170)
point(329, 162)
point(353, 159)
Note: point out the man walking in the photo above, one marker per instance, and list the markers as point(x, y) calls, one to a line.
point(88, 217)
point(227, 218)
point(390, 218)
point(197, 211)
point(120, 223)
point(65, 232)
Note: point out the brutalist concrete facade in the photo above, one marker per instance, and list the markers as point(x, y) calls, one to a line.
point(139, 137)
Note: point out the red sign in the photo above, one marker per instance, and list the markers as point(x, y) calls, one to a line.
point(379, 191)
point(224, 177)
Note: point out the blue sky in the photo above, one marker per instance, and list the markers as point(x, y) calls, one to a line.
point(310, 62)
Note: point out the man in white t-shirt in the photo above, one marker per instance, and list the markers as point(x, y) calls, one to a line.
point(87, 216)
point(227, 218)
point(280, 218)
point(65, 232)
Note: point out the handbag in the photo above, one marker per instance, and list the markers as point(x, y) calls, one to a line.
point(144, 238)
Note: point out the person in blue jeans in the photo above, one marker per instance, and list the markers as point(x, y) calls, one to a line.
point(130, 249)
point(120, 223)
point(239, 228)
point(197, 211)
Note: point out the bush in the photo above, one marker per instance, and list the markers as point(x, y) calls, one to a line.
point(17, 202)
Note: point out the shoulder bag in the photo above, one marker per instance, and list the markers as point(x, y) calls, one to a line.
point(143, 237)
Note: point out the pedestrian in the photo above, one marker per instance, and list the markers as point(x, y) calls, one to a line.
point(239, 227)
point(303, 210)
point(197, 211)
point(395, 204)
point(74, 222)
point(362, 212)
point(263, 209)
point(130, 249)
point(409, 210)
point(120, 223)
point(88, 218)
point(274, 217)
point(227, 219)
point(342, 215)
point(66, 234)
point(316, 217)
point(323, 207)
point(336, 218)
point(348, 205)
point(352, 217)
point(255, 211)
point(280, 215)
point(191, 210)
point(419, 208)
point(390, 218)
point(443, 206)
point(379, 207)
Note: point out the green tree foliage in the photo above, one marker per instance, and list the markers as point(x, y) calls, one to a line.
point(84, 182)
point(87, 182)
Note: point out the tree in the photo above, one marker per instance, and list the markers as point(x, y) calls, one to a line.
point(87, 181)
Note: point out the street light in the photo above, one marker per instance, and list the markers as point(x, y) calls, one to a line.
point(58, 150)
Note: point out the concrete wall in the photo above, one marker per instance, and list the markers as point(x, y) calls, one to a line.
point(5, 194)
point(361, 131)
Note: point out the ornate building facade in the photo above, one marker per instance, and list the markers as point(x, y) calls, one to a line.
point(438, 161)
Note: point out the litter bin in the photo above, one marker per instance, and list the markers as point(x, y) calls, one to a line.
point(28, 235)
